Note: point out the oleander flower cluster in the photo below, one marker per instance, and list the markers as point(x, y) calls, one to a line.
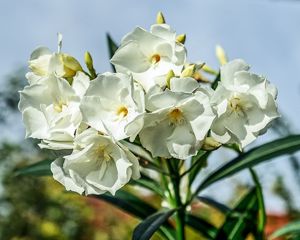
point(156, 99)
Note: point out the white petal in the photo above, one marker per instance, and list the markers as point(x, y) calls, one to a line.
point(130, 57)
point(56, 145)
point(199, 114)
point(228, 70)
point(163, 31)
point(186, 85)
point(165, 99)
point(146, 40)
point(60, 176)
point(35, 123)
point(34, 96)
point(40, 51)
point(182, 143)
point(80, 83)
point(154, 138)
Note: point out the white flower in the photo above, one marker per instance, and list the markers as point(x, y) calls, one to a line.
point(245, 105)
point(179, 120)
point(44, 63)
point(50, 110)
point(149, 56)
point(114, 105)
point(96, 165)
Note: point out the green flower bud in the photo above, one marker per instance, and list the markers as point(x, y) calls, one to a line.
point(71, 65)
point(170, 75)
point(221, 55)
point(89, 63)
point(188, 71)
point(210, 144)
point(181, 38)
point(160, 19)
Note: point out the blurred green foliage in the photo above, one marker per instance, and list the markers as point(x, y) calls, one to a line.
point(9, 95)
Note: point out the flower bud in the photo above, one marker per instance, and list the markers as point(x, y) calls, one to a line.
point(181, 38)
point(188, 71)
point(221, 55)
point(209, 70)
point(89, 63)
point(71, 65)
point(210, 144)
point(160, 19)
point(169, 76)
point(200, 77)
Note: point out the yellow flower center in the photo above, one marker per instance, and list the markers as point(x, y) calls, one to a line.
point(155, 58)
point(59, 105)
point(122, 111)
point(238, 106)
point(102, 153)
point(176, 116)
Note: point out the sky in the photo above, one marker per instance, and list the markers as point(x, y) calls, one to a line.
point(263, 32)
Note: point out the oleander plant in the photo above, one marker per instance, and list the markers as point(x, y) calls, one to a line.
point(153, 123)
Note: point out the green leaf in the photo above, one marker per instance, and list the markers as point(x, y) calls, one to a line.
point(112, 48)
point(197, 163)
point(262, 216)
point(290, 229)
point(241, 220)
point(148, 183)
point(151, 224)
point(216, 81)
point(253, 157)
point(129, 203)
point(135, 206)
point(41, 168)
point(213, 203)
point(205, 228)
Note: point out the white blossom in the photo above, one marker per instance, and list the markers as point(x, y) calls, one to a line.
point(149, 56)
point(44, 63)
point(50, 110)
point(244, 103)
point(179, 119)
point(96, 165)
point(114, 105)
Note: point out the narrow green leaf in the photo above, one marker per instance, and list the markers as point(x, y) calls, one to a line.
point(129, 203)
point(253, 157)
point(151, 224)
point(262, 216)
point(290, 229)
point(241, 220)
point(197, 162)
point(213, 203)
point(112, 48)
point(205, 228)
point(136, 207)
point(216, 81)
point(41, 168)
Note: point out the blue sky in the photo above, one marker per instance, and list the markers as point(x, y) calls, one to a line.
point(263, 32)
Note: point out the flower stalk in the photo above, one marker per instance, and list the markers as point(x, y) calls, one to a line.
point(180, 214)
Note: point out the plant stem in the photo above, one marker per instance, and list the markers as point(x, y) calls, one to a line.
point(180, 215)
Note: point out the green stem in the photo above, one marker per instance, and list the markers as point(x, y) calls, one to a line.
point(180, 215)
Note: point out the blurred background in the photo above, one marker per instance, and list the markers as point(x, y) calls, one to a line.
point(263, 32)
